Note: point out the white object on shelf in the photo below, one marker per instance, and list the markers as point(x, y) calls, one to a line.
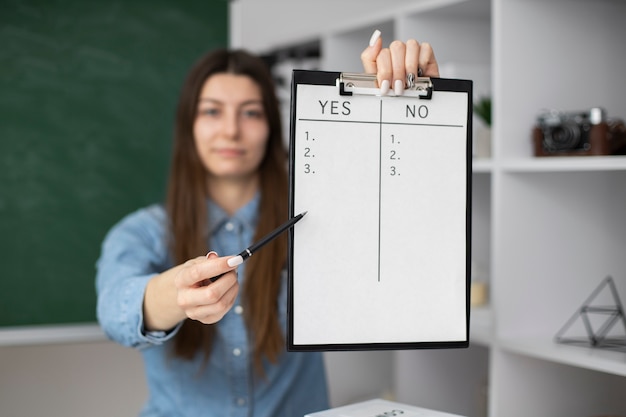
point(380, 408)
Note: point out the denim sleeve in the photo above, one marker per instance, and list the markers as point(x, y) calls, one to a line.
point(132, 253)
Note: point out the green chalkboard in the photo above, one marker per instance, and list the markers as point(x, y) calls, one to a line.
point(88, 91)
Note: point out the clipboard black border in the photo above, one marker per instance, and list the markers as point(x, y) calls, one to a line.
point(329, 78)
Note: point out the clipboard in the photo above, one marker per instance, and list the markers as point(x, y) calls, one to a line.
point(382, 258)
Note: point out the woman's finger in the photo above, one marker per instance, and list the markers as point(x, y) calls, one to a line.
point(198, 295)
point(213, 311)
point(196, 271)
point(398, 60)
point(411, 63)
point(369, 54)
point(427, 60)
point(385, 70)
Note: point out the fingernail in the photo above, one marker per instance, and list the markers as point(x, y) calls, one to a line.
point(234, 261)
point(374, 37)
point(211, 253)
point(398, 87)
point(384, 87)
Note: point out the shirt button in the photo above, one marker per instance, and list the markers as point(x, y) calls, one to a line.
point(241, 401)
point(236, 351)
point(229, 226)
point(238, 309)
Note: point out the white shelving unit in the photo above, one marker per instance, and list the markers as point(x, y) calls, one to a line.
point(558, 224)
point(547, 230)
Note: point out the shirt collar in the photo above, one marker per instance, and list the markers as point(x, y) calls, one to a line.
point(247, 215)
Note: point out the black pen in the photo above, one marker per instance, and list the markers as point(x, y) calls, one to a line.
point(248, 252)
point(238, 260)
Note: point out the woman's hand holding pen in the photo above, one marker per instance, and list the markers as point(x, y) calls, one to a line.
point(199, 297)
point(394, 64)
point(186, 291)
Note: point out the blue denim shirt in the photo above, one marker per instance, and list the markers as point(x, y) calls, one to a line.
point(134, 251)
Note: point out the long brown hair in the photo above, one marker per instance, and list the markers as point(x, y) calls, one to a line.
point(187, 209)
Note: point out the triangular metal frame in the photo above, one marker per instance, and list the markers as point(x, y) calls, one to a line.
point(597, 338)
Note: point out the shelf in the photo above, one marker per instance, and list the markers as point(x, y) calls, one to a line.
point(50, 334)
point(565, 164)
point(603, 360)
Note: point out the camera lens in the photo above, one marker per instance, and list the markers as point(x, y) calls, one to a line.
point(564, 137)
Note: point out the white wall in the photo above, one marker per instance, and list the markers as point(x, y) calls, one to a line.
point(261, 25)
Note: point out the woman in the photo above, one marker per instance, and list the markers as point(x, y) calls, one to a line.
point(217, 348)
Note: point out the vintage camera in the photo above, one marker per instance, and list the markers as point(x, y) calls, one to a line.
point(578, 133)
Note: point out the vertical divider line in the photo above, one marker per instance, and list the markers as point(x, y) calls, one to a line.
point(380, 176)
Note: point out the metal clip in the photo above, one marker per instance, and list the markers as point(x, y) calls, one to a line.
point(357, 83)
